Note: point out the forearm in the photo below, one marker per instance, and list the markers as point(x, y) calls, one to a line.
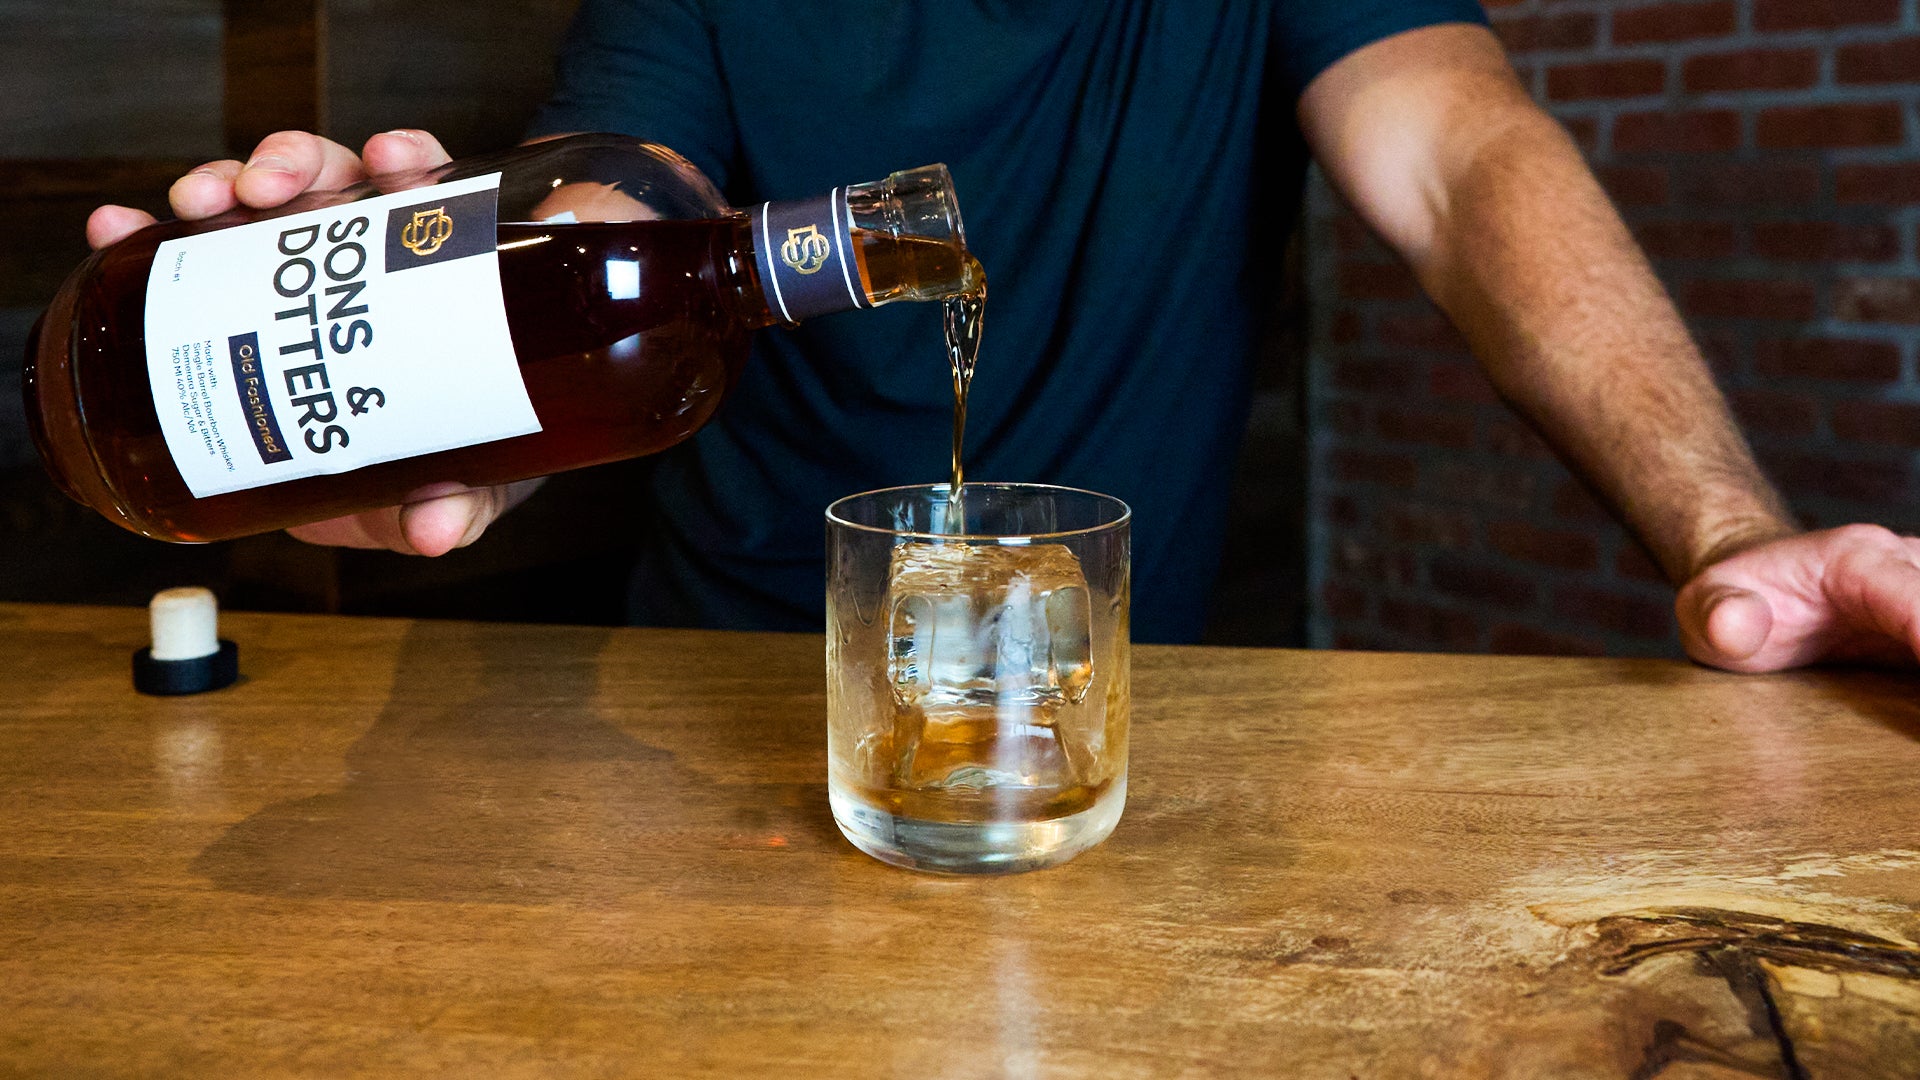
point(1529, 259)
point(1439, 148)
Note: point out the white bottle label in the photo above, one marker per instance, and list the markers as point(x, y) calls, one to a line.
point(332, 339)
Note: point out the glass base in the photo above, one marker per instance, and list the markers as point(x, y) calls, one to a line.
point(1000, 847)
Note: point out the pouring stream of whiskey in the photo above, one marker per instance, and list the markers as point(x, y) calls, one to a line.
point(964, 318)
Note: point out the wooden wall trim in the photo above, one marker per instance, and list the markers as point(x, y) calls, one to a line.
point(48, 200)
point(276, 69)
point(110, 179)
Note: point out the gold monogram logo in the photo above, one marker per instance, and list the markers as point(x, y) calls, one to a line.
point(427, 231)
point(805, 250)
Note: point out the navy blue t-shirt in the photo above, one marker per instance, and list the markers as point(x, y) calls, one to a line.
point(1126, 170)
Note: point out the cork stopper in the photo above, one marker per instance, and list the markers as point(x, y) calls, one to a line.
point(188, 655)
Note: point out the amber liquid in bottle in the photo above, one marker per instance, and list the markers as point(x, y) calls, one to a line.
point(608, 377)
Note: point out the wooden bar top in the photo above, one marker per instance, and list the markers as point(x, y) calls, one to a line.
point(456, 849)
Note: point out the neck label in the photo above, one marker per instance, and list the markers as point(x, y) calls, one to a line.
point(805, 252)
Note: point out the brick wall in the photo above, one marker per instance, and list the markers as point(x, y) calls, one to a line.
point(1767, 155)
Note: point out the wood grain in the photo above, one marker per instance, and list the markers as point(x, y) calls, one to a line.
point(460, 849)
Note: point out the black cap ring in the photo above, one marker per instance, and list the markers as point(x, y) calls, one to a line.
point(190, 676)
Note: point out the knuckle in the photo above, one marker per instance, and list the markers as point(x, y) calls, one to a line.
point(292, 145)
point(1867, 535)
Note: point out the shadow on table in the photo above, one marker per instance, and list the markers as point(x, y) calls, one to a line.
point(1883, 696)
point(507, 792)
point(1887, 698)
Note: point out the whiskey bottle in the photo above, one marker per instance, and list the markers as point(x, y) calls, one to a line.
point(560, 305)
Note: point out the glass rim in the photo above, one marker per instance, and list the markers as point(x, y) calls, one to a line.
point(1122, 518)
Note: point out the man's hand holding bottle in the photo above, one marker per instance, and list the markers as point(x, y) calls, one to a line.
point(439, 518)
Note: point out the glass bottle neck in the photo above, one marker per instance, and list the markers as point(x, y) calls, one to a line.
point(863, 245)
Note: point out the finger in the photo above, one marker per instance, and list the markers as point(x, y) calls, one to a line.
point(438, 525)
point(403, 150)
point(204, 192)
point(290, 162)
point(432, 526)
point(111, 224)
point(1880, 589)
point(1723, 625)
point(375, 530)
point(435, 520)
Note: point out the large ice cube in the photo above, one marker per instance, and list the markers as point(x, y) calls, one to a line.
point(989, 644)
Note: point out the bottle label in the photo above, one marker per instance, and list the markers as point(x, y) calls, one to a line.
point(332, 339)
point(805, 251)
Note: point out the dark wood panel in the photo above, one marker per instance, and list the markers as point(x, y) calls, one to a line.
point(275, 68)
point(47, 202)
point(57, 178)
point(471, 73)
point(124, 78)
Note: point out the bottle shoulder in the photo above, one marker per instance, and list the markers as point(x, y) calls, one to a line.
point(593, 177)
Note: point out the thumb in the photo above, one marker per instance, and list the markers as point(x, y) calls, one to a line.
point(437, 525)
point(1723, 625)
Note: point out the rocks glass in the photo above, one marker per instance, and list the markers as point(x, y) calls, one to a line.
point(977, 670)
